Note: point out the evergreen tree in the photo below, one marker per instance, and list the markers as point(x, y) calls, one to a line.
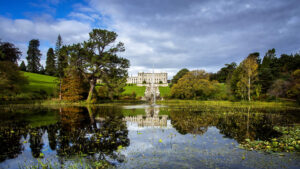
point(50, 62)
point(23, 66)
point(59, 57)
point(42, 70)
point(33, 56)
point(61, 53)
point(268, 70)
point(100, 60)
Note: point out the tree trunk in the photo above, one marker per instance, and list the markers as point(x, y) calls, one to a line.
point(249, 88)
point(60, 89)
point(92, 86)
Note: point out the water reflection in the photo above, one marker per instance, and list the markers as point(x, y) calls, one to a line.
point(98, 133)
point(238, 125)
point(150, 119)
point(74, 134)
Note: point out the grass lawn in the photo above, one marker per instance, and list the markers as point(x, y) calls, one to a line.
point(164, 91)
point(139, 90)
point(39, 82)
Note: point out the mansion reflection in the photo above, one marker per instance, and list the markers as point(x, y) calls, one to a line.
point(150, 119)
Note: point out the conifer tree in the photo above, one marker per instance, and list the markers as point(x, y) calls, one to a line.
point(23, 66)
point(33, 56)
point(50, 62)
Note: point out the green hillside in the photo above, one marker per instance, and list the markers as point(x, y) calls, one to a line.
point(139, 90)
point(39, 82)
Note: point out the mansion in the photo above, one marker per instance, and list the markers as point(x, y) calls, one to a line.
point(146, 78)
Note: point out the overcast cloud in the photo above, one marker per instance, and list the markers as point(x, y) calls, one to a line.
point(172, 34)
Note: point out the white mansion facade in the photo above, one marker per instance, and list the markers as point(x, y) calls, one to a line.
point(146, 78)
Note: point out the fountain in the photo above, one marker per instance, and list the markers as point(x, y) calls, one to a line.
point(152, 92)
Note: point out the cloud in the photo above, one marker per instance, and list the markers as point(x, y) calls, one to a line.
point(169, 34)
point(21, 31)
point(173, 34)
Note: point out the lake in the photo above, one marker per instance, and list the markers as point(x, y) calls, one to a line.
point(177, 135)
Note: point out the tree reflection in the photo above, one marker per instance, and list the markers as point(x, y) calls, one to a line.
point(81, 134)
point(10, 136)
point(36, 142)
point(238, 125)
point(80, 131)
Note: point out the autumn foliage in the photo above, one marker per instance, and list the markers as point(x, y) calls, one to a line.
point(74, 88)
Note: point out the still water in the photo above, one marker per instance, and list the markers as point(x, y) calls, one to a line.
point(141, 136)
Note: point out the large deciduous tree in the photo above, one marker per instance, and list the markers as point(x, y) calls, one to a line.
point(50, 62)
point(12, 79)
point(194, 85)
point(33, 56)
point(100, 60)
point(8, 52)
point(249, 74)
point(179, 75)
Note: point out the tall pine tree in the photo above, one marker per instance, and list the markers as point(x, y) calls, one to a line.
point(50, 62)
point(62, 61)
point(33, 56)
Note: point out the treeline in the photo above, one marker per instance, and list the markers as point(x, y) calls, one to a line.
point(78, 67)
point(269, 78)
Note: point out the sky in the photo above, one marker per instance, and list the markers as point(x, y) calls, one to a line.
point(166, 35)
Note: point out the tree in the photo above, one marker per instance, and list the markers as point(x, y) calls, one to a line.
point(73, 86)
point(23, 66)
point(8, 52)
point(61, 59)
point(294, 91)
point(33, 56)
point(12, 80)
point(225, 73)
point(249, 75)
point(179, 75)
point(279, 88)
point(194, 85)
point(50, 62)
point(268, 70)
point(61, 53)
point(100, 60)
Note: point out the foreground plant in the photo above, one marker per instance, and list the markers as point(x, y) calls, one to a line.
point(288, 142)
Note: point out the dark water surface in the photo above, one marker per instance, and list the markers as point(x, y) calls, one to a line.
point(141, 137)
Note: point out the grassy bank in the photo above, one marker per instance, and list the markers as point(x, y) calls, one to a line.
point(139, 90)
point(39, 82)
point(164, 91)
point(229, 104)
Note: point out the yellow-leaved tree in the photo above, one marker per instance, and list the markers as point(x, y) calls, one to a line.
point(249, 74)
